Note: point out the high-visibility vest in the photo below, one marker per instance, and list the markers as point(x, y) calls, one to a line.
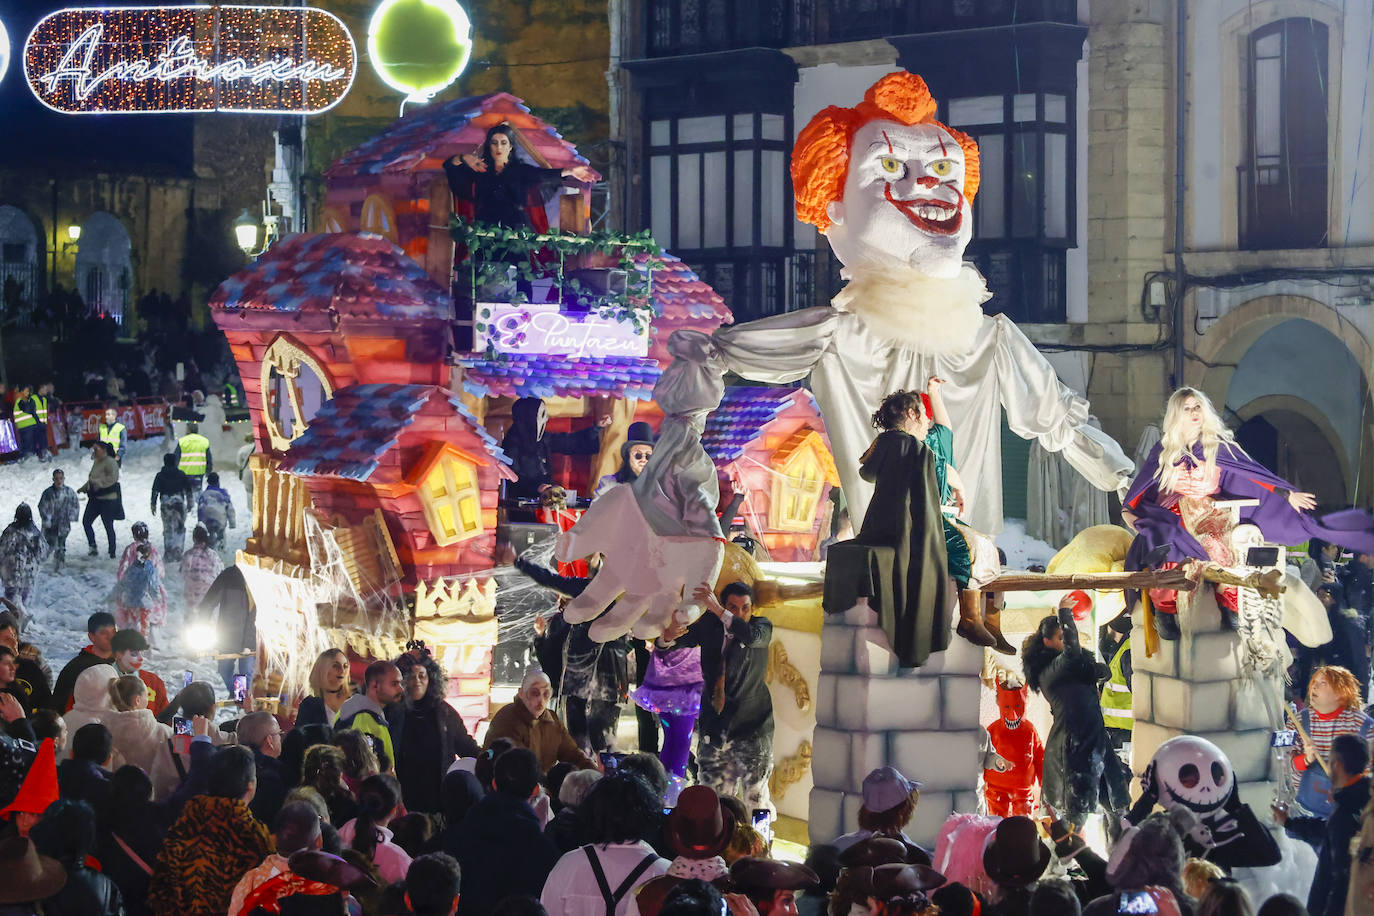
point(41, 405)
point(111, 436)
point(1116, 692)
point(193, 449)
point(23, 419)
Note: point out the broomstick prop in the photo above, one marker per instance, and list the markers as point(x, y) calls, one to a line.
point(1306, 738)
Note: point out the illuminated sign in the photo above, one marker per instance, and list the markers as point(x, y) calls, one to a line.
point(543, 330)
point(140, 59)
point(419, 46)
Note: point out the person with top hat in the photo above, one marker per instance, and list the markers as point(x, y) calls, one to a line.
point(635, 453)
point(889, 801)
point(29, 876)
point(698, 830)
point(38, 791)
point(771, 885)
point(1014, 858)
point(867, 876)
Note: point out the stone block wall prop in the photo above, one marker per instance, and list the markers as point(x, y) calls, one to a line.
point(1193, 686)
point(923, 721)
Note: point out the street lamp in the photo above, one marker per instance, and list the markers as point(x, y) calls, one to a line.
point(74, 234)
point(246, 232)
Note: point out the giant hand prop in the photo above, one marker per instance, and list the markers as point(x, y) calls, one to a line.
point(660, 535)
point(649, 577)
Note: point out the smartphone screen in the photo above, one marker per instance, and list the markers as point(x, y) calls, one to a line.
point(240, 688)
point(1137, 902)
point(609, 761)
point(181, 725)
point(763, 823)
point(190, 676)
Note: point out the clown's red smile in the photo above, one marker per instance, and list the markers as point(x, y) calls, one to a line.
point(937, 217)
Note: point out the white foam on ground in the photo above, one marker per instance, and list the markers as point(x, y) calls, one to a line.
point(59, 604)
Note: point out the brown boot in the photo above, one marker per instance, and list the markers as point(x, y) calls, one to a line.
point(992, 622)
point(971, 619)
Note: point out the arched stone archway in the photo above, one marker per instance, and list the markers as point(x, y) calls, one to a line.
point(20, 261)
point(1308, 453)
point(1254, 326)
point(104, 269)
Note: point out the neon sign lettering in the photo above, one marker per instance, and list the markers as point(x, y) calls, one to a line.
point(543, 330)
point(268, 60)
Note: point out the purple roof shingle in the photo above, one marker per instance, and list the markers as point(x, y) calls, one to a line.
point(743, 413)
point(522, 376)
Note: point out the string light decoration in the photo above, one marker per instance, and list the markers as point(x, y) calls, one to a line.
point(4, 51)
point(170, 59)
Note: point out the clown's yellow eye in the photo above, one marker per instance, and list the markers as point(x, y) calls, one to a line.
point(943, 167)
point(892, 165)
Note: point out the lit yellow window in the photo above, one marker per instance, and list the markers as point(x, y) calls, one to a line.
point(453, 506)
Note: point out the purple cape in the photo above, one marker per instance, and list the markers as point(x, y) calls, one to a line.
point(1241, 478)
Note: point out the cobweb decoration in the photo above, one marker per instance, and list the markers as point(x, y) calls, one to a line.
point(288, 625)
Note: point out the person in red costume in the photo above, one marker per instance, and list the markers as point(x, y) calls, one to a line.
point(1016, 757)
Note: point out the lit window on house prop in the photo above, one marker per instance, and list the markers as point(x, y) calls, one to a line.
point(450, 494)
point(803, 466)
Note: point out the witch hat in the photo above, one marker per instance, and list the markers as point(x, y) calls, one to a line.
point(40, 785)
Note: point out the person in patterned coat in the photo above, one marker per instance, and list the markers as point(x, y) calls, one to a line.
point(214, 843)
point(59, 510)
point(21, 551)
point(199, 568)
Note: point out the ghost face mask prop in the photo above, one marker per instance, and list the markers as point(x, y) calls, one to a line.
point(903, 199)
point(1194, 773)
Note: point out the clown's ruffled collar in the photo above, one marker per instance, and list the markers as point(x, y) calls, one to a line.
point(932, 315)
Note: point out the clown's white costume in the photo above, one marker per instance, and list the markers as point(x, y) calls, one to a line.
point(891, 188)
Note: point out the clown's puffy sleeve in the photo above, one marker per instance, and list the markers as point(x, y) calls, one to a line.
point(1039, 406)
point(779, 349)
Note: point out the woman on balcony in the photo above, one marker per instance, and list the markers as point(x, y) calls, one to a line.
point(493, 186)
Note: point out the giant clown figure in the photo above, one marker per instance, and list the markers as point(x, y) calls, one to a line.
point(892, 190)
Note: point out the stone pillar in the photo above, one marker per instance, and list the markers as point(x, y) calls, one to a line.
point(923, 721)
point(1196, 686)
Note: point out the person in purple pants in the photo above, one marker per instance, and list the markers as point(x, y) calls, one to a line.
point(672, 689)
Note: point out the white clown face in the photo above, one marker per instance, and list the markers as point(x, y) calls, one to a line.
point(903, 199)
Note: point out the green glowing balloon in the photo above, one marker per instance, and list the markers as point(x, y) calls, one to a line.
point(419, 46)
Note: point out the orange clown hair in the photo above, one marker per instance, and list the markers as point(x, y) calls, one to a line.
point(820, 159)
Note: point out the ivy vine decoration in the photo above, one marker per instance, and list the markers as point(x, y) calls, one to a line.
point(501, 255)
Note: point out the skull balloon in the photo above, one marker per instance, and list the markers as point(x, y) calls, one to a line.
point(1193, 772)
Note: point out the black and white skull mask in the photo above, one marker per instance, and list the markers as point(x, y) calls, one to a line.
point(1193, 772)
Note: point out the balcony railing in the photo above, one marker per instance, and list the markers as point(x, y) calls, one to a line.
point(674, 27)
point(1281, 205)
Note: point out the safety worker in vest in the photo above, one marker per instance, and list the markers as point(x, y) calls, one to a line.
point(26, 428)
point(193, 455)
point(1115, 646)
point(40, 402)
point(114, 435)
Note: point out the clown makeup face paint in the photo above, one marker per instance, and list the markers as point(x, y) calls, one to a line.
point(903, 199)
point(129, 662)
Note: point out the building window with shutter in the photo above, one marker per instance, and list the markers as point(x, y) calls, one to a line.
point(1024, 215)
point(719, 196)
point(1283, 181)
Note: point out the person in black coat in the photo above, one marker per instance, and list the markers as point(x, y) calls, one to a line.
point(261, 733)
point(84, 776)
point(1081, 769)
point(67, 833)
point(131, 838)
point(428, 733)
point(1332, 836)
point(499, 188)
point(529, 446)
point(735, 725)
point(502, 849)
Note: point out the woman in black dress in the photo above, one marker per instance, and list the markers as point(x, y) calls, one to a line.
point(500, 188)
point(429, 733)
point(1081, 770)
